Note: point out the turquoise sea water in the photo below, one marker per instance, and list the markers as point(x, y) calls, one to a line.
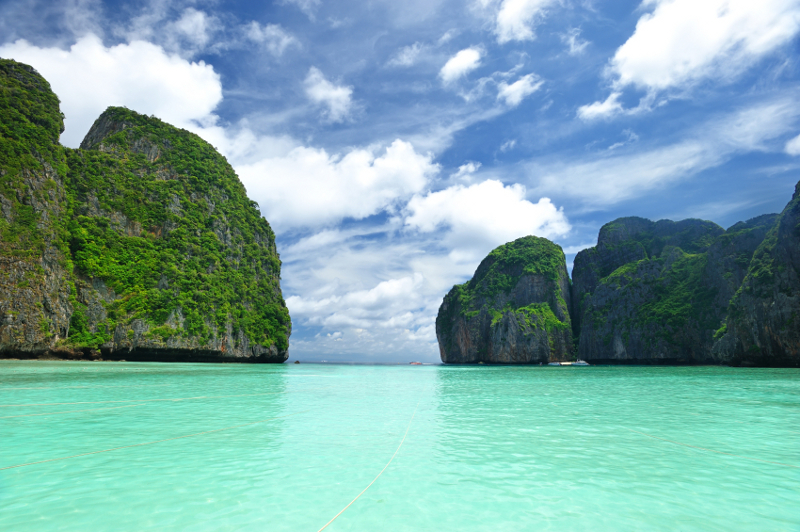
point(488, 448)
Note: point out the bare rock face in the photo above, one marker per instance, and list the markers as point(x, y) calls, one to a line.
point(515, 309)
point(141, 245)
point(763, 322)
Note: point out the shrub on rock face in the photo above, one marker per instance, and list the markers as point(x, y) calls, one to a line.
point(514, 310)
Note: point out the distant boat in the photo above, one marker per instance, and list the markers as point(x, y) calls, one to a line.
point(580, 362)
point(415, 363)
point(554, 364)
point(576, 363)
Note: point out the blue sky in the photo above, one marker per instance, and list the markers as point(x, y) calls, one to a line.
point(392, 145)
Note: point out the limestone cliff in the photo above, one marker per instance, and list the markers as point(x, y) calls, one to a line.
point(658, 292)
point(628, 240)
point(763, 322)
point(35, 305)
point(140, 245)
point(661, 292)
point(514, 310)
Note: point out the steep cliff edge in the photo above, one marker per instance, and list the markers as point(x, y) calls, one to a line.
point(628, 240)
point(665, 302)
point(514, 310)
point(763, 322)
point(140, 245)
point(35, 305)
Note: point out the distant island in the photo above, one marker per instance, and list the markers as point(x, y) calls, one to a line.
point(662, 292)
point(140, 245)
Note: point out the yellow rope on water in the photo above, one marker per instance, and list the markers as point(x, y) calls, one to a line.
point(713, 451)
point(144, 400)
point(152, 442)
point(175, 399)
point(3, 389)
point(379, 474)
point(71, 411)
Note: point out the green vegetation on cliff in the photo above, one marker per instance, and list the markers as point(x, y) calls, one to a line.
point(530, 255)
point(668, 299)
point(159, 245)
point(175, 233)
point(763, 322)
point(30, 124)
point(662, 292)
point(671, 293)
point(513, 310)
point(502, 269)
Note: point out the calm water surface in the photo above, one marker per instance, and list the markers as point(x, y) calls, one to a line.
point(489, 448)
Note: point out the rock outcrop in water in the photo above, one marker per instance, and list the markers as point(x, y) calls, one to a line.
point(663, 292)
point(141, 245)
point(514, 310)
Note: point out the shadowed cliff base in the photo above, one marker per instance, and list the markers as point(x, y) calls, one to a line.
point(141, 355)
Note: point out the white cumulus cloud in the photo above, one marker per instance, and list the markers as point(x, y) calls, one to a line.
point(461, 64)
point(484, 215)
point(194, 26)
point(307, 187)
point(513, 94)
point(605, 109)
point(89, 77)
point(194, 31)
point(338, 99)
point(465, 171)
point(683, 42)
point(516, 19)
point(384, 294)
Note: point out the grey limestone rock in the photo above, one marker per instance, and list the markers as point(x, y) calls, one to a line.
point(665, 302)
point(763, 322)
point(515, 309)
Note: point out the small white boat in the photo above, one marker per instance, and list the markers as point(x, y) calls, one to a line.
point(554, 363)
point(580, 362)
